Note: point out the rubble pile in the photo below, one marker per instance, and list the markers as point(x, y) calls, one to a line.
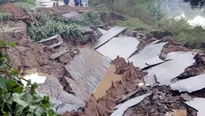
point(112, 72)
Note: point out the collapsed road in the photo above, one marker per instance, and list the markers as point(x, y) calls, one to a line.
point(121, 74)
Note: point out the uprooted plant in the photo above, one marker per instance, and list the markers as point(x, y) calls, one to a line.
point(17, 99)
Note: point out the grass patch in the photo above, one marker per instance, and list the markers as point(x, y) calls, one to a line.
point(3, 15)
point(185, 34)
point(133, 23)
point(26, 4)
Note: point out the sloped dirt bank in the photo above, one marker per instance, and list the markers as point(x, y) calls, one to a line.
point(131, 76)
point(11, 10)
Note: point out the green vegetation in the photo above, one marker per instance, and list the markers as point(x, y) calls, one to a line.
point(69, 28)
point(17, 99)
point(25, 4)
point(3, 15)
point(185, 34)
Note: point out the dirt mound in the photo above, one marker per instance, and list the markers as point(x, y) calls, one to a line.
point(12, 10)
point(62, 9)
point(27, 57)
point(131, 76)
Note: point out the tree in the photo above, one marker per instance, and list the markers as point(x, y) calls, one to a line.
point(196, 3)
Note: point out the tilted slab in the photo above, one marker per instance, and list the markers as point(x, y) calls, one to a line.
point(121, 46)
point(198, 104)
point(63, 101)
point(190, 84)
point(165, 72)
point(150, 51)
point(87, 69)
point(107, 36)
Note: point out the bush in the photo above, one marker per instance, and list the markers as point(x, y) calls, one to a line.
point(15, 98)
point(185, 34)
point(53, 27)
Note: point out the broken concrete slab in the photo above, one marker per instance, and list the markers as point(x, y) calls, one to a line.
point(102, 31)
point(165, 72)
point(58, 54)
point(121, 108)
point(71, 15)
point(198, 104)
point(92, 66)
point(53, 41)
point(63, 101)
point(157, 60)
point(121, 46)
point(150, 51)
point(109, 35)
point(190, 85)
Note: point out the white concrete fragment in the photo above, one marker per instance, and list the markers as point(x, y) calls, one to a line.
point(102, 31)
point(190, 85)
point(167, 71)
point(198, 104)
point(121, 108)
point(121, 46)
point(107, 36)
point(150, 51)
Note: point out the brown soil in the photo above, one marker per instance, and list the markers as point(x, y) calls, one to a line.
point(62, 9)
point(30, 56)
point(12, 10)
point(105, 105)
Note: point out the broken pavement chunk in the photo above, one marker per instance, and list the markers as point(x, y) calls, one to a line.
point(87, 69)
point(121, 46)
point(53, 41)
point(63, 101)
point(102, 31)
point(107, 36)
point(198, 104)
point(58, 54)
point(151, 50)
point(190, 84)
point(71, 15)
point(121, 108)
point(165, 72)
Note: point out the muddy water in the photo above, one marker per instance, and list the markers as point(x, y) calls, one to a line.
point(106, 82)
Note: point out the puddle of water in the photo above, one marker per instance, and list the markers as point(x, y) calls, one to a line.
point(106, 82)
point(34, 76)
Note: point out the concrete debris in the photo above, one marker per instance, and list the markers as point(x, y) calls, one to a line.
point(108, 36)
point(52, 42)
point(190, 84)
point(72, 15)
point(63, 101)
point(150, 51)
point(58, 54)
point(158, 60)
point(165, 72)
point(123, 47)
point(102, 31)
point(198, 104)
point(92, 68)
point(124, 106)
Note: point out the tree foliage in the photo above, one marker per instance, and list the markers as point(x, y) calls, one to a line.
point(196, 3)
